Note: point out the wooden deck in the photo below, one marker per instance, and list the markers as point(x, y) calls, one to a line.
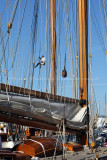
point(83, 155)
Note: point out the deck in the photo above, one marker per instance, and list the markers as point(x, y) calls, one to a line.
point(83, 155)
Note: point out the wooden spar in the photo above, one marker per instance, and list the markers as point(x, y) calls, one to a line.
point(37, 94)
point(83, 48)
point(80, 44)
point(83, 55)
point(33, 123)
point(53, 45)
point(26, 122)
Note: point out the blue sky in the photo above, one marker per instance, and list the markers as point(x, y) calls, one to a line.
point(23, 54)
point(99, 61)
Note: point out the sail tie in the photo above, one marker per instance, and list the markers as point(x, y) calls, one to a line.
point(8, 99)
point(30, 103)
point(7, 93)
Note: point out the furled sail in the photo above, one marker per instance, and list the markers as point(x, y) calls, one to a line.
point(43, 109)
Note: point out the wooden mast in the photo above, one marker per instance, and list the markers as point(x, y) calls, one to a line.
point(83, 48)
point(83, 57)
point(53, 45)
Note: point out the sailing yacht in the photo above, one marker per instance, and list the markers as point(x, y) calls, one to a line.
point(46, 110)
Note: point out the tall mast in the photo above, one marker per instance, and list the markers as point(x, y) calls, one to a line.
point(53, 45)
point(83, 55)
point(83, 48)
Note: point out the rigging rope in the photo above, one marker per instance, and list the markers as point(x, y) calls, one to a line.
point(13, 14)
point(4, 8)
point(26, 55)
point(57, 78)
point(105, 16)
point(94, 98)
point(4, 36)
point(91, 81)
point(46, 44)
point(76, 49)
point(12, 18)
point(90, 56)
point(18, 64)
point(14, 11)
point(3, 52)
point(57, 141)
point(49, 75)
point(70, 47)
point(19, 33)
point(97, 27)
point(101, 16)
point(68, 54)
point(33, 39)
point(39, 68)
point(59, 22)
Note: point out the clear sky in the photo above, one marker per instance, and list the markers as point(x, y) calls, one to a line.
point(64, 27)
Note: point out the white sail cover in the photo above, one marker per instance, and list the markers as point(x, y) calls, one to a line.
point(44, 110)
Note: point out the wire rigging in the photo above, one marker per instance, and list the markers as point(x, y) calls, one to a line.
point(97, 27)
point(48, 55)
point(76, 49)
point(4, 8)
point(105, 17)
point(3, 52)
point(101, 16)
point(17, 62)
point(33, 39)
point(91, 82)
point(27, 55)
point(13, 14)
point(70, 40)
point(46, 43)
point(9, 27)
point(19, 34)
